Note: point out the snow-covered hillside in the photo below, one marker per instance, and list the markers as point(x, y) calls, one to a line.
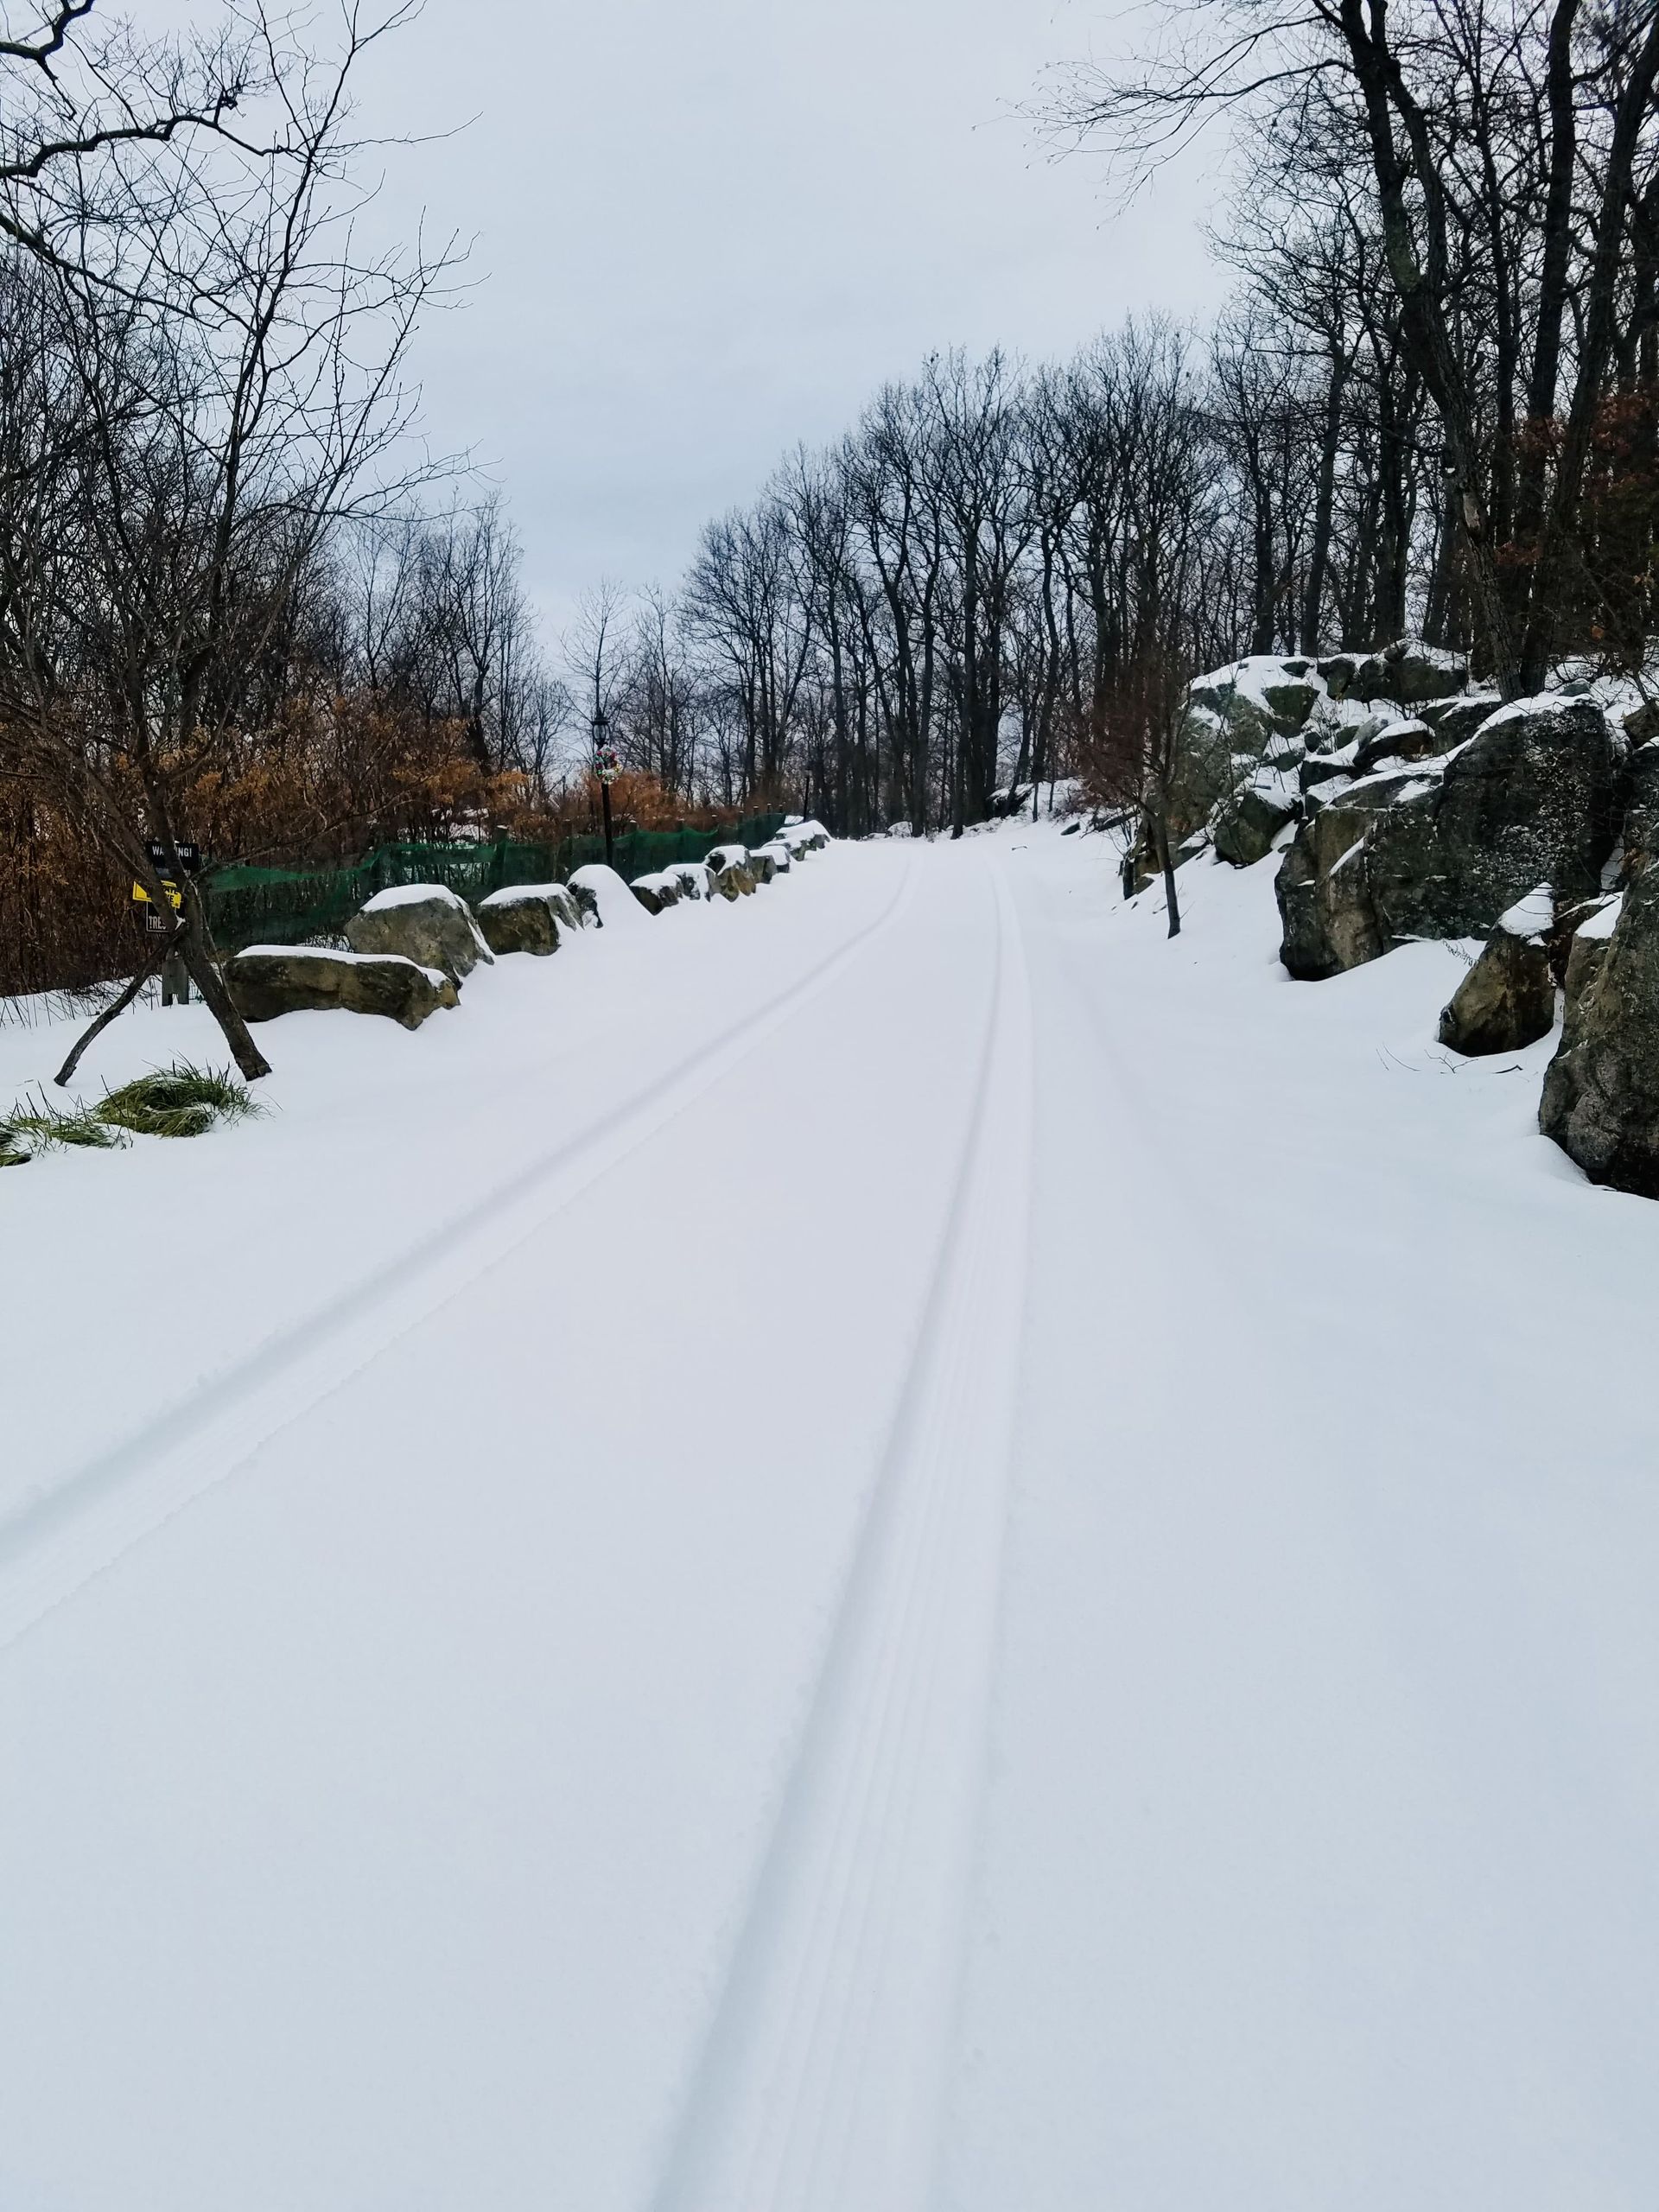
point(894, 1546)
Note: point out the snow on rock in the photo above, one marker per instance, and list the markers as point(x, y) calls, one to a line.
point(778, 853)
point(528, 918)
point(1450, 843)
point(1599, 925)
point(729, 871)
point(656, 890)
point(1244, 828)
point(266, 981)
point(607, 897)
point(427, 923)
point(1406, 670)
point(1531, 917)
point(1406, 739)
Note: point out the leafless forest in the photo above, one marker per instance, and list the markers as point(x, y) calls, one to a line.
point(231, 611)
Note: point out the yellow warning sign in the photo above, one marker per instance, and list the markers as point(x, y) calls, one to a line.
point(141, 897)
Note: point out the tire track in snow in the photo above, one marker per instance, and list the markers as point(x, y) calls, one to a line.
point(54, 1543)
point(820, 2086)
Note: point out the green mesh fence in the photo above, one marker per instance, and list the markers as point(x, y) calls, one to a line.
point(284, 905)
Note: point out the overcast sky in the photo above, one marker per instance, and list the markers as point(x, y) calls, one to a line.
point(706, 229)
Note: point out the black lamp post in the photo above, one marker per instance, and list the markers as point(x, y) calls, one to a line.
point(605, 769)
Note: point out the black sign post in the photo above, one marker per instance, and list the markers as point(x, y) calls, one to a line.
point(176, 976)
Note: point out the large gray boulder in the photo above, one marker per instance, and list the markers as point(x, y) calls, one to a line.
point(729, 871)
point(525, 918)
point(655, 892)
point(268, 979)
point(1601, 1093)
point(1453, 720)
point(1416, 672)
point(1532, 797)
point(1408, 738)
point(1508, 998)
point(1443, 848)
point(426, 923)
point(1245, 828)
point(1406, 670)
point(1586, 952)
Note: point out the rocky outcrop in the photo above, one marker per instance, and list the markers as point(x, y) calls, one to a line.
point(778, 853)
point(270, 980)
point(1533, 796)
point(649, 893)
point(1245, 828)
point(426, 923)
point(1508, 998)
point(1441, 849)
point(1586, 951)
point(1601, 1094)
point(729, 871)
point(692, 877)
point(1642, 812)
point(525, 918)
point(1405, 740)
point(761, 865)
point(1406, 670)
point(1453, 721)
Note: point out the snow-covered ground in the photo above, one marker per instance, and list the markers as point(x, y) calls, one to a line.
point(891, 1546)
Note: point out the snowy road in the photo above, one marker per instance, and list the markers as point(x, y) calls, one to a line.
point(892, 1549)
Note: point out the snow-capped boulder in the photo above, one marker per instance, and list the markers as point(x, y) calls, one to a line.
point(1508, 998)
point(778, 853)
point(1453, 720)
point(1326, 905)
point(1406, 671)
point(656, 890)
point(1325, 768)
point(1246, 825)
point(1257, 698)
point(426, 923)
point(1415, 673)
point(692, 877)
point(761, 865)
point(1601, 1093)
point(1408, 739)
point(1443, 847)
point(526, 918)
point(603, 894)
point(1532, 797)
point(268, 979)
point(729, 870)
